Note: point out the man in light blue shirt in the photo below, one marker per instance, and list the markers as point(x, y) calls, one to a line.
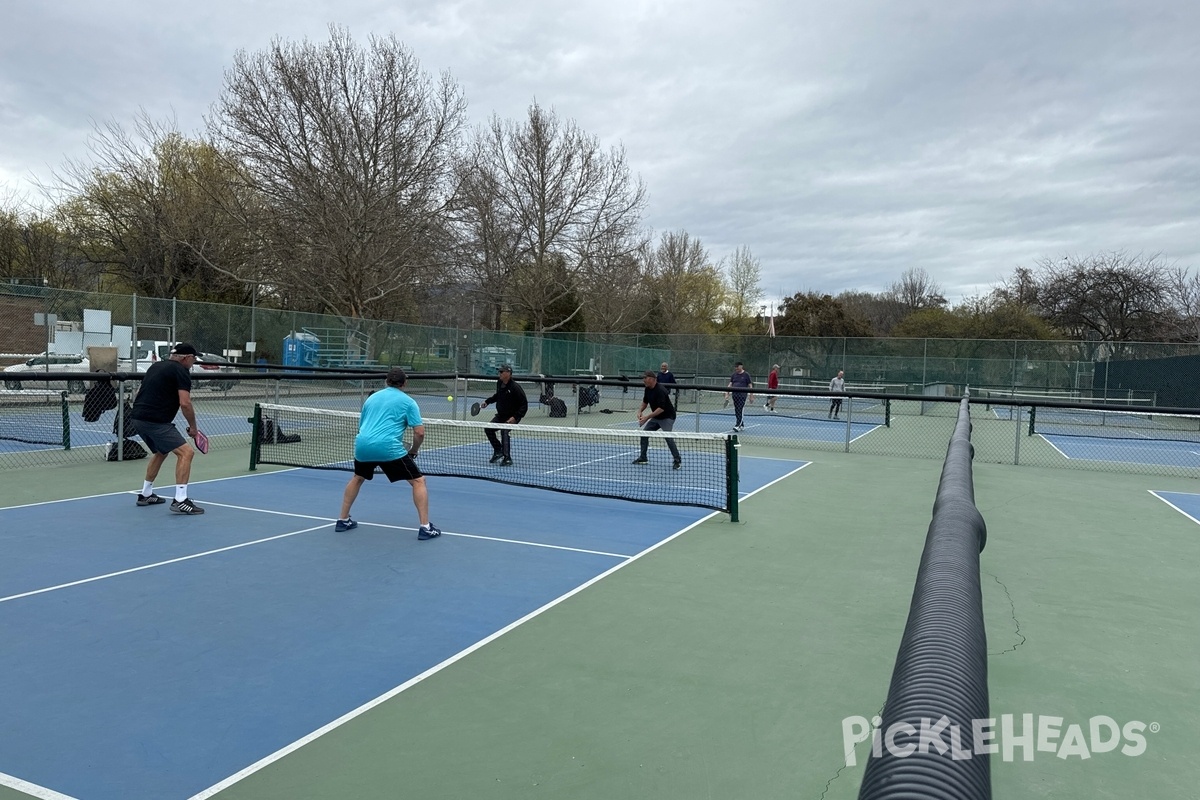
point(386, 416)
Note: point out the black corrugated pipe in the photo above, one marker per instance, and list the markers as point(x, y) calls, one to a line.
point(939, 684)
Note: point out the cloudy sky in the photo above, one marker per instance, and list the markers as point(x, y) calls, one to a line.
point(842, 142)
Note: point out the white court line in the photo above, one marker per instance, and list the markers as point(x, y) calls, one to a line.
point(626, 454)
point(1172, 505)
point(364, 708)
point(1060, 452)
point(32, 789)
point(135, 491)
point(157, 564)
point(330, 520)
point(867, 432)
point(262, 763)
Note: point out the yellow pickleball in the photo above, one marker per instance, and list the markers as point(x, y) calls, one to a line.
point(450, 398)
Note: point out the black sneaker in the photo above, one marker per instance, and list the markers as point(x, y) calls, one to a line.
point(506, 462)
point(677, 465)
point(429, 531)
point(152, 500)
point(186, 506)
point(495, 457)
point(343, 525)
point(640, 460)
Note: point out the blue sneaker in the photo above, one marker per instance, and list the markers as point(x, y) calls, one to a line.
point(344, 525)
point(428, 531)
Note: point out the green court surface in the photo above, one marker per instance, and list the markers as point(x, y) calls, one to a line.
point(722, 664)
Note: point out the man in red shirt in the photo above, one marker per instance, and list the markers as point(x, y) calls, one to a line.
point(772, 383)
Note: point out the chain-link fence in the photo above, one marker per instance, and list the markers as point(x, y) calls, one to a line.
point(44, 427)
point(1084, 370)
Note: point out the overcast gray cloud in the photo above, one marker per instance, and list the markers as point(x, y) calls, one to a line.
point(843, 143)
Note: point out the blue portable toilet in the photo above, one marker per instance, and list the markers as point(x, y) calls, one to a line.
point(300, 349)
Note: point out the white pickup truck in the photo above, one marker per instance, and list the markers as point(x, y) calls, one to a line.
point(204, 371)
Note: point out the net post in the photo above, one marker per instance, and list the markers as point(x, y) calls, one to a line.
point(887, 412)
point(731, 476)
point(66, 421)
point(255, 430)
point(1032, 415)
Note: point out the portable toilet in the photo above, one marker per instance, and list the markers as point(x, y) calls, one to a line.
point(300, 349)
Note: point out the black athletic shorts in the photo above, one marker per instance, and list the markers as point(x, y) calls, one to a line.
point(402, 469)
point(160, 437)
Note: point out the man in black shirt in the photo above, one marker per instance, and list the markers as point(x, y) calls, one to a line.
point(511, 406)
point(166, 390)
point(660, 418)
point(666, 376)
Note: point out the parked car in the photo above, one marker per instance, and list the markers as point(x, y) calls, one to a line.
point(19, 376)
point(149, 351)
point(206, 372)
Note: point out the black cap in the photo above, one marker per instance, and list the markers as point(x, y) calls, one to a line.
point(184, 349)
point(504, 368)
point(397, 376)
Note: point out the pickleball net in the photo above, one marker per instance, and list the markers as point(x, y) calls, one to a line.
point(35, 417)
point(581, 461)
point(1148, 425)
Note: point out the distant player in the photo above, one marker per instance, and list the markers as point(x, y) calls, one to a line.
point(739, 384)
point(837, 384)
point(660, 418)
point(386, 416)
point(511, 407)
point(666, 376)
point(772, 383)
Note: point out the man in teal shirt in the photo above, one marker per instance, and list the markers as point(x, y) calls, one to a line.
point(385, 417)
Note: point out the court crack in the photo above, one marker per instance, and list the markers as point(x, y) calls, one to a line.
point(1016, 622)
point(845, 758)
point(829, 783)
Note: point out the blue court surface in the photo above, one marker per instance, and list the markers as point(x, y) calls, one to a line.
point(151, 655)
point(1164, 452)
point(1186, 504)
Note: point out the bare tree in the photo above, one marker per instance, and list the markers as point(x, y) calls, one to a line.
point(1108, 298)
point(742, 272)
point(1021, 288)
point(916, 290)
point(141, 210)
point(548, 211)
point(616, 290)
point(881, 311)
point(1183, 293)
point(350, 149)
point(687, 287)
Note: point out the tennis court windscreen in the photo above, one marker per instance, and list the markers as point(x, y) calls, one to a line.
point(584, 461)
point(35, 417)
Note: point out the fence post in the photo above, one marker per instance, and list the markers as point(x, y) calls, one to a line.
point(849, 413)
point(1017, 436)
